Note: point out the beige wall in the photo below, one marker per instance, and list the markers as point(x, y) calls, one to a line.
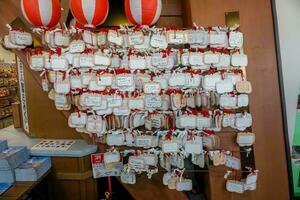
point(6, 56)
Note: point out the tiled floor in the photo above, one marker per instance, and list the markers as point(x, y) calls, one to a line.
point(14, 136)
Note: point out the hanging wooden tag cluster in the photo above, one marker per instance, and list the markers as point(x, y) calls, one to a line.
point(161, 94)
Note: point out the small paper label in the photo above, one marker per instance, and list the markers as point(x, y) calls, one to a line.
point(211, 58)
point(114, 37)
point(235, 186)
point(136, 163)
point(136, 104)
point(77, 47)
point(136, 38)
point(101, 60)
point(143, 141)
point(153, 101)
point(151, 88)
point(159, 41)
point(124, 81)
point(233, 163)
point(86, 61)
point(170, 147)
point(60, 99)
point(59, 63)
point(111, 157)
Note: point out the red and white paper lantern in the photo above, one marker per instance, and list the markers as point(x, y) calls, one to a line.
point(41, 13)
point(91, 13)
point(143, 12)
point(74, 23)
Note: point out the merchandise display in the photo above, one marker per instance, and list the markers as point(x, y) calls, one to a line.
point(159, 94)
point(157, 98)
point(8, 92)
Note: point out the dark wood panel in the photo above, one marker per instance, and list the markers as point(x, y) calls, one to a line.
point(170, 21)
point(265, 105)
point(171, 7)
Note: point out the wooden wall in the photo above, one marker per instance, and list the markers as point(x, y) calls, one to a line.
point(257, 26)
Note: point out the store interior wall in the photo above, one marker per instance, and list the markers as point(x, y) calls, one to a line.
point(288, 16)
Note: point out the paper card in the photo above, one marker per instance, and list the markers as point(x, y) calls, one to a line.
point(163, 81)
point(77, 46)
point(124, 80)
point(250, 187)
point(37, 62)
point(105, 80)
point(99, 169)
point(210, 81)
point(59, 63)
point(235, 186)
point(198, 37)
point(177, 80)
point(151, 88)
point(185, 59)
point(243, 87)
point(224, 86)
point(77, 120)
point(121, 111)
point(187, 121)
point(101, 38)
point(144, 45)
point(61, 39)
point(239, 60)
point(211, 58)
point(136, 103)
point(217, 38)
point(86, 61)
point(153, 101)
point(169, 146)
point(86, 78)
point(128, 178)
point(115, 139)
point(144, 141)
point(62, 87)
point(100, 59)
point(184, 185)
point(60, 99)
point(9, 45)
point(227, 101)
point(114, 101)
point(89, 37)
point(194, 147)
point(196, 59)
point(137, 62)
point(245, 139)
point(22, 38)
point(192, 80)
point(89, 100)
point(158, 60)
point(243, 120)
point(150, 159)
point(136, 38)
point(208, 142)
point(233, 77)
point(111, 157)
point(251, 179)
point(233, 162)
point(159, 41)
point(115, 37)
point(228, 120)
point(136, 163)
point(177, 37)
point(203, 122)
point(93, 86)
point(224, 61)
point(243, 100)
point(75, 82)
point(236, 39)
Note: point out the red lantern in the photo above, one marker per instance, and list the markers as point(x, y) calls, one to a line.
point(41, 13)
point(76, 24)
point(90, 12)
point(143, 12)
